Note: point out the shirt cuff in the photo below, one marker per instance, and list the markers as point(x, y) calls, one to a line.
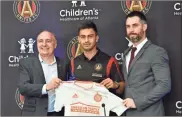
point(44, 89)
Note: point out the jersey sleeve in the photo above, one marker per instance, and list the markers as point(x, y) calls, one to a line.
point(115, 71)
point(115, 104)
point(61, 97)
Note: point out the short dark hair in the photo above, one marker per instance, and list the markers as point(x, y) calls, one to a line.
point(138, 14)
point(86, 25)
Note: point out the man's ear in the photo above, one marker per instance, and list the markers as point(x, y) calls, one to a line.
point(55, 44)
point(97, 38)
point(144, 27)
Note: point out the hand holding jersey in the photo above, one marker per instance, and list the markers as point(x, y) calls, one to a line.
point(129, 103)
point(53, 84)
point(109, 83)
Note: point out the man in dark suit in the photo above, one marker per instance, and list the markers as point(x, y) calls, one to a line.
point(146, 70)
point(40, 76)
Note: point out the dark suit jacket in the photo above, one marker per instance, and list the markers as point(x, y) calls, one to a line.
point(30, 85)
point(148, 80)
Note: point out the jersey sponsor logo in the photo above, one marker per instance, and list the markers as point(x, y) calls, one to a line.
point(136, 5)
point(98, 67)
point(96, 75)
point(97, 97)
point(79, 67)
point(83, 108)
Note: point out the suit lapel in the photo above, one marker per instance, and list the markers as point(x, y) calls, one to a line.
point(40, 71)
point(139, 55)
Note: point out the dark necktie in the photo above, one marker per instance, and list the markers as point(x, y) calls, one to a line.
point(132, 55)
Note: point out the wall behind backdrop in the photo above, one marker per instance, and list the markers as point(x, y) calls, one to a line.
point(22, 21)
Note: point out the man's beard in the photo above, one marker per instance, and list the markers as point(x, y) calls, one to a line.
point(134, 39)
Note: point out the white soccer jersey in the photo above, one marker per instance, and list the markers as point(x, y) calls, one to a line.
point(87, 99)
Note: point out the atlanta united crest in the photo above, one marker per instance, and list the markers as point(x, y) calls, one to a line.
point(97, 97)
point(98, 67)
point(74, 49)
point(26, 10)
point(136, 5)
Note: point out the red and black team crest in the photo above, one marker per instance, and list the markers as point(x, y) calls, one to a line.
point(97, 97)
point(74, 49)
point(26, 10)
point(136, 5)
point(19, 99)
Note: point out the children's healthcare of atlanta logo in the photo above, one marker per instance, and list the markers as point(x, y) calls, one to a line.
point(26, 10)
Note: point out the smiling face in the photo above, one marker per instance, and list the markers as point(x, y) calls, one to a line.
point(46, 43)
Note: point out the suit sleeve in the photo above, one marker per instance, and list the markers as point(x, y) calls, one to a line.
point(26, 86)
point(161, 72)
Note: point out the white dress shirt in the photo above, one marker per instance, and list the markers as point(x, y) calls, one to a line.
point(139, 46)
point(50, 71)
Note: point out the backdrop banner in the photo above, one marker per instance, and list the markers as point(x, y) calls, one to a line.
point(21, 21)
